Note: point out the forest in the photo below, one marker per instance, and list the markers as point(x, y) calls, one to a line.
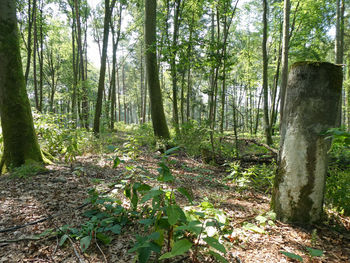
point(174, 131)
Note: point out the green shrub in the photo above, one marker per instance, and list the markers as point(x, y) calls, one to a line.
point(338, 179)
point(259, 177)
point(194, 137)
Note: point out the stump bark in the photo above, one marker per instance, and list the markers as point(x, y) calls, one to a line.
point(311, 107)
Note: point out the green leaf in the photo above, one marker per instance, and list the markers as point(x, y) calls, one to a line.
point(134, 199)
point(85, 243)
point(292, 255)
point(261, 219)
point(184, 192)
point(63, 239)
point(173, 214)
point(179, 248)
point(164, 173)
point(143, 254)
point(171, 150)
point(218, 257)
point(116, 229)
point(151, 194)
point(103, 238)
point(314, 252)
point(215, 244)
point(116, 162)
point(254, 228)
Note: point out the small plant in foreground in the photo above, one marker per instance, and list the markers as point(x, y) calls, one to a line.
point(168, 228)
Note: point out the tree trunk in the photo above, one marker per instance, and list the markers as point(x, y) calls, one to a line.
point(83, 76)
point(311, 107)
point(29, 42)
point(41, 58)
point(160, 126)
point(267, 127)
point(339, 38)
point(35, 43)
point(20, 142)
point(285, 48)
point(101, 81)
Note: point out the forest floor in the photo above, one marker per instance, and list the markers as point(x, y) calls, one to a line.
point(59, 194)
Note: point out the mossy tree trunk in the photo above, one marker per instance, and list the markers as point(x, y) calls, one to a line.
point(160, 126)
point(20, 142)
point(311, 107)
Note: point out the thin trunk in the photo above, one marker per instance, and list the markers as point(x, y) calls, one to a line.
point(35, 44)
point(173, 64)
point(29, 41)
point(267, 127)
point(84, 99)
point(285, 47)
point(101, 82)
point(41, 59)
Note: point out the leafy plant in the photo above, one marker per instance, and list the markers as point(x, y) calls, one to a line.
point(338, 179)
point(292, 255)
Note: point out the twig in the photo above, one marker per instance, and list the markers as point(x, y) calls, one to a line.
point(103, 254)
point(19, 239)
point(72, 242)
point(275, 151)
point(75, 251)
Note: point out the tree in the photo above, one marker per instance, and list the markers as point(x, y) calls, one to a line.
point(20, 142)
point(285, 48)
point(311, 107)
point(160, 126)
point(267, 127)
point(101, 83)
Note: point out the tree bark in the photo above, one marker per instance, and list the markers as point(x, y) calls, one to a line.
point(311, 107)
point(83, 75)
point(285, 48)
point(20, 142)
point(160, 126)
point(267, 127)
point(101, 81)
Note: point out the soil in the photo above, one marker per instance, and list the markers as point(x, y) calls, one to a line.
point(57, 196)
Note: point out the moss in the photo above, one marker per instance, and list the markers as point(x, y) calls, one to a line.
point(20, 142)
point(335, 71)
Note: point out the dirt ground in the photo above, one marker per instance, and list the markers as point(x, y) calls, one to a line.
point(56, 197)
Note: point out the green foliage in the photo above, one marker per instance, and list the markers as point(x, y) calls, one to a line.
point(165, 224)
point(260, 177)
point(106, 217)
point(30, 168)
point(292, 256)
point(194, 137)
point(338, 179)
point(57, 137)
point(311, 252)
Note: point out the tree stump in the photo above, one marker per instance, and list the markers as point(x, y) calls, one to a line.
point(311, 107)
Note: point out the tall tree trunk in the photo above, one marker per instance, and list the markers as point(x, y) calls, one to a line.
point(75, 65)
point(20, 142)
point(101, 81)
point(267, 127)
point(29, 41)
point(116, 37)
point(173, 64)
point(35, 42)
point(285, 48)
point(41, 58)
point(311, 107)
point(339, 39)
point(160, 126)
point(84, 99)
point(124, 93)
